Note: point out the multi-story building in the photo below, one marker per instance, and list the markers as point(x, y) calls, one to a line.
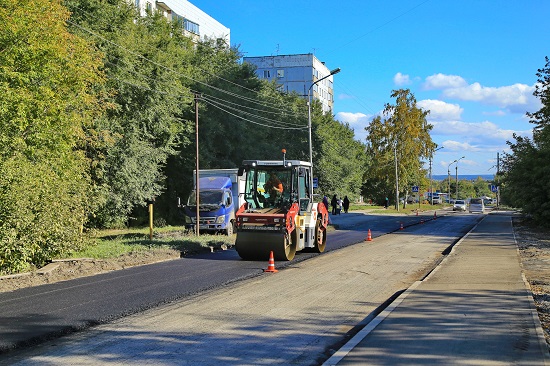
point(297, 73)
point(196, 23)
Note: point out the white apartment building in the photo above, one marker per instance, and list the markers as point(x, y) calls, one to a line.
point(297, 73)
point(196, 23)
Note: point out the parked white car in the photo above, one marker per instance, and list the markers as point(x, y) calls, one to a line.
point(476, 205)
point(459, 205)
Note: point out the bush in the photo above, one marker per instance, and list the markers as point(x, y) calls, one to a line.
point(41, 215)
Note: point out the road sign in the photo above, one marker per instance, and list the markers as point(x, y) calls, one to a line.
point(494, 188)
point(415, 188)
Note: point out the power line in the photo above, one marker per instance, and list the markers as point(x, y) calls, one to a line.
point(196, 66)
point(186, 76)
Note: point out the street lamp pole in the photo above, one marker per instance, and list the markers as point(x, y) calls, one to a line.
point(431, 180)
point(332, 72)
point(456, 175)
point(449, 179)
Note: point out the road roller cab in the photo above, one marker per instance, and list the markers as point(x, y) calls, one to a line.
point(279, 214)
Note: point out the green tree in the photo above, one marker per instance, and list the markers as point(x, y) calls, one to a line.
point(526, 172)
point(147, 66)
point(401, 135)
point(47, 100)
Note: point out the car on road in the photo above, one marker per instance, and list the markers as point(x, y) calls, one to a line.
point(459, 205)
point(476, 205)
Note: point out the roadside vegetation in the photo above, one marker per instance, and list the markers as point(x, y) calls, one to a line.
point(112, 243)
point(525, 175)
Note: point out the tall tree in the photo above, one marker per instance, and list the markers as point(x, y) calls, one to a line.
point(397, 142)
point(147, 65)
point(48, 98)
point(526, 172)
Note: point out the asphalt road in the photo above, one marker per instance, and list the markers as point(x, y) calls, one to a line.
point(33, 315)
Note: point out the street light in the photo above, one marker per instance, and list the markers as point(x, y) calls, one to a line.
point(456, 175)
point(449, 178)
point(332, 72)
point(431, 181)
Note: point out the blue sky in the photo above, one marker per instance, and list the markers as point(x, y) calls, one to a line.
point(472, 63)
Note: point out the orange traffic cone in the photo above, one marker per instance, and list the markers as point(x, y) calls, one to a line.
point(435, 215)
point(369, 236)
point(271, 264)
point(401, 228)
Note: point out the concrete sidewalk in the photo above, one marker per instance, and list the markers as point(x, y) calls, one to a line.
point(474, 309)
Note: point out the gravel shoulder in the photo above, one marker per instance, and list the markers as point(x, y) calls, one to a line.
point(533, 246)
point(534, 251)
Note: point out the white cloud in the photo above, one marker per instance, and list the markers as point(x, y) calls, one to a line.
point(440, 110)
point(401, 79)
point(459, 146)
point(517, 97)
point(442, 81)
point(353, 118)
point(486, 132)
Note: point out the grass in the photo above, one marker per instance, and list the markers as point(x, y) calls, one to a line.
point(113, 243)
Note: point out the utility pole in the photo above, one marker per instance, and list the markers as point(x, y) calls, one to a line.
point(197, 218)
point(431, 182)
point(498, 180)
point(396, 179)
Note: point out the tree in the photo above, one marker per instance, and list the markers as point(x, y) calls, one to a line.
point(526, 172)
point(148, 80)
point(399, 137)
point(48, 98)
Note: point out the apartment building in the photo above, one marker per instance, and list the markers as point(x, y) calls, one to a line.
point(196, 23)
point(297, 73)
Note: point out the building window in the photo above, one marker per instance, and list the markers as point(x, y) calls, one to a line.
point(280, 74)
point(191, 26)
point(148, 7)
point(137, 4)
point(267, 74)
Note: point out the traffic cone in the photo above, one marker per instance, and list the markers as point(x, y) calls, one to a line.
point(435, 215)
point(421, 221)
point(416, 212)
point(401, 228)
point(369, 236)
point(271, 264)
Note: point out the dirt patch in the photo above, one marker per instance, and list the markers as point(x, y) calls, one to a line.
point(534, 250)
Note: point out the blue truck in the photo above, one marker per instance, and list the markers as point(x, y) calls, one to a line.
point(218, 201)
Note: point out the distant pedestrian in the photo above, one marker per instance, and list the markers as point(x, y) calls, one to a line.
point(333, 203)
point(325, 202)
point(386, 203)
point(346, 204)
point(339, 204)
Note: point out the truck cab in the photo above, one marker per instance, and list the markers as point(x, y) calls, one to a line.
point(216, 206)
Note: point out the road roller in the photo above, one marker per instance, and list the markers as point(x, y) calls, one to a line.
point(279, 214)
